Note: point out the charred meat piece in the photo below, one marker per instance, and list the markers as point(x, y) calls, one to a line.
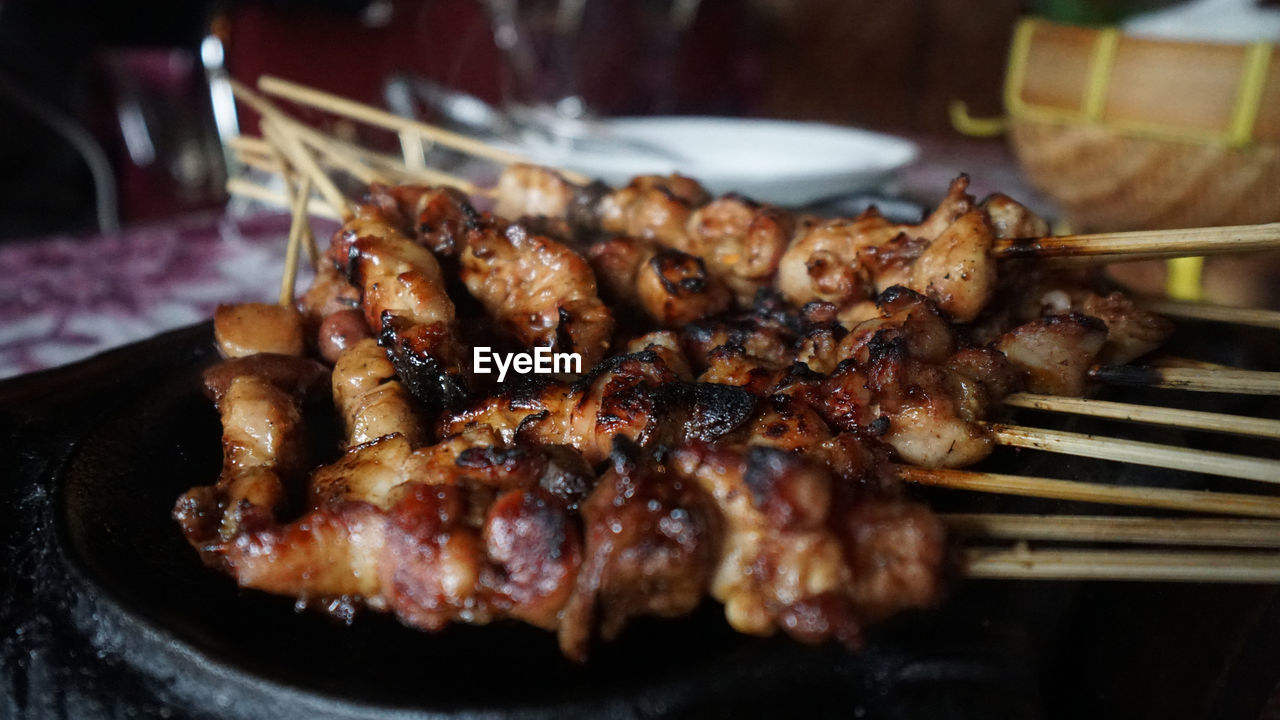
point(534, 547)
point(1054, 354)
point(405, 304)
point(956, 270)
point(260, 400)
point(918, 408)
point(438, 218)
point(781, 566)
point(651, 547)
point(538, 290)
point(671, 287)
point(651, 207)
point(896, 552)
point(741, 242)
point(532, 190)
point(675, 289)
point(372, 402)
point(634, 396)
point(845, 261)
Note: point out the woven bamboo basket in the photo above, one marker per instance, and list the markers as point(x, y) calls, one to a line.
point(1129, 133)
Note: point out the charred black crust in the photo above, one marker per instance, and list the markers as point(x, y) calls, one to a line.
point(525, 392)
point(764, 468)
point(716, 409)
point(1074, 318)
point(1019, 248)
point(478, 458)
point(352, 269)
point(669, 262)
point(894, 293)
point(881, 346)
point(529, 421)
point(423, 375)
point(567, 475)
point(611, 364)
point(564, 340)
point(471, 218)
point(798, 373)
point(584, 209)
point(626, 456)
point(879, 426)
point(845, 366)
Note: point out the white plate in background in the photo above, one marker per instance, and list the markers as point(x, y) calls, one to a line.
point(777, 161)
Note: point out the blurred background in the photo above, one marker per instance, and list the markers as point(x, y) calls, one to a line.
point(108, 120)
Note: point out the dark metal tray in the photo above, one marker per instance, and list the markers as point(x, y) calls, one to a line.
point(108, 613)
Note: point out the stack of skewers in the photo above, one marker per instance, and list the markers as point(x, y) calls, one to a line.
point(906, 339)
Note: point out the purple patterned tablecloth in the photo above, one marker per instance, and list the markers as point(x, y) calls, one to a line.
point(63, 299)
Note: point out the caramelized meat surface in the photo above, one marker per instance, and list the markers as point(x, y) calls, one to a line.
point(747, 390)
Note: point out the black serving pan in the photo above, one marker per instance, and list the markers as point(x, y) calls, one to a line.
point(108, 613)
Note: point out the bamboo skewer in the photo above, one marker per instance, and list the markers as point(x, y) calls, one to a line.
point(1189, 419)
point(358, 111)
point(250, 146)
point(265, 163)
point(363, 164)
point(1148, 243)
point(297, 229)
point(1253, 317)
point(248, 189)
point(1195, 379)
point(283, 134)
point(1173, 361)
point(1198, 501)
point(1023, 564)
point(300, 157)
point(1141, 453)
point(345, 162)
point(1109, 529)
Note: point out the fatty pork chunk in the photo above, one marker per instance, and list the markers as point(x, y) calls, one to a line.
point(636, 396)
point(331, 313)
point(533, 191)
point(250, 328)
point(651, 207)
point(765, 335)
point(463, 531)
point(1028, 297)
point(741, 241)
point(405, 304)
point(438, 218)
point(945, 257)
point(540, 291)
point(651, 546)
point(371, 399)
point(903, 379)
point(673, 288)
point(260, 401)
point(803, 552)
